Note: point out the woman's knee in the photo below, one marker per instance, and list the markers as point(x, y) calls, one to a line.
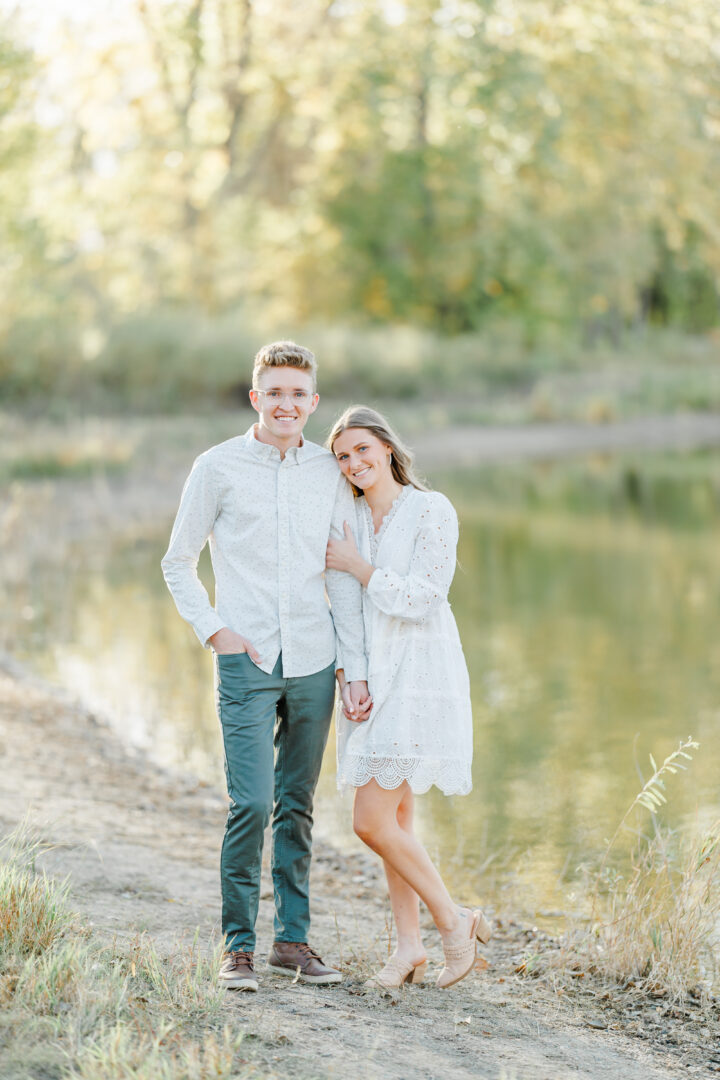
point(361, 824)
point(366, 824)
point(405, 815)
point(372, 823)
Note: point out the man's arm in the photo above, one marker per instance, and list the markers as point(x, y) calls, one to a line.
point(345, 595)
point(193, 525)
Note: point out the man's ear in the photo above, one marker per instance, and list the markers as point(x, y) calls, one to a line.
point(313, 407)
point(254, 400)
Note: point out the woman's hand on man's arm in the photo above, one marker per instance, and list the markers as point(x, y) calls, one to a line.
point(344, 555)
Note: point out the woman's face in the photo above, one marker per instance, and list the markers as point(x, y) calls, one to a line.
point(363, 458)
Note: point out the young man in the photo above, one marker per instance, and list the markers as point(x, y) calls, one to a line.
point(268, 501)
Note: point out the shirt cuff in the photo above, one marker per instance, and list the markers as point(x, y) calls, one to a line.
point(355, 667)
point(207, 626)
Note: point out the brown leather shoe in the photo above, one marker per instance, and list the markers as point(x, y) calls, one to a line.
point(289, 956)
point(237, 971)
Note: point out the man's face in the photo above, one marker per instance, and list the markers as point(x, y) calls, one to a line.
point(284, 399)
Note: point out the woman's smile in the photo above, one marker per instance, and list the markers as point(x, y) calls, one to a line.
point(362, 457)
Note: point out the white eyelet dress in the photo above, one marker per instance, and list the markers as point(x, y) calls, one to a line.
point(420, 727)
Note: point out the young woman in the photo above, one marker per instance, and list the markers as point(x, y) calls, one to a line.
point(416, 729)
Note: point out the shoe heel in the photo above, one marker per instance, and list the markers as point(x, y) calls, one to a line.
point(483, 930)
point(417, 974)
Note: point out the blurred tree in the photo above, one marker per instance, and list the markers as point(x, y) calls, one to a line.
point(442, 163)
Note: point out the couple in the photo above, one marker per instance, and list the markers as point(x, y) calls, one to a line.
point(292, 525)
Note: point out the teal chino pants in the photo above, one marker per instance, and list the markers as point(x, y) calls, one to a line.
point(274, 731)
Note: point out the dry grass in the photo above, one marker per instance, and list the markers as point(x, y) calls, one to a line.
point(75, 1007)
point(655, 926)
point(119, 1053)
point(33, 912)
point(664, 924)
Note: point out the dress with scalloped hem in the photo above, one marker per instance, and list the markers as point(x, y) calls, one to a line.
point(420, 727)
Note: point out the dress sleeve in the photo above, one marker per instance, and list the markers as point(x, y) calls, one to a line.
point(432, 566)
point(194, 522)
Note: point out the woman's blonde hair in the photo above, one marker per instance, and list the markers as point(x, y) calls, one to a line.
point(402, 462)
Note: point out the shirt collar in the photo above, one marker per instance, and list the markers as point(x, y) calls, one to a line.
point(266, 451)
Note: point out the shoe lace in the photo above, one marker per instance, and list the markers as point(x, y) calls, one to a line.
point(241, 959)
point(308, 951)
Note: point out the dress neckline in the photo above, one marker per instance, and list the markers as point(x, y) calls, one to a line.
point(376, 537)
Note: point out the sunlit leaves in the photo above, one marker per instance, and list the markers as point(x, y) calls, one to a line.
point(436, 162)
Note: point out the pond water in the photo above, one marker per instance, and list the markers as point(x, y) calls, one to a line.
point(587, 598)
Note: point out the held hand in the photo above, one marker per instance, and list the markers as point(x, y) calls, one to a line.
point(342, 554)
point(226, 641)
point(357, 702)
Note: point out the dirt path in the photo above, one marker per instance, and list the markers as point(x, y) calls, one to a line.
point(141, 848)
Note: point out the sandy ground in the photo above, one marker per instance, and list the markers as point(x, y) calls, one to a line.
point(141, 848)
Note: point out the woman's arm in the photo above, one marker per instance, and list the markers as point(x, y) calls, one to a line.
point(432, 566)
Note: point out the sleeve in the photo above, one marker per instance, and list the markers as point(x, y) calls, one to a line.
point(432, 567)
point(345, 595)
point(195, 519)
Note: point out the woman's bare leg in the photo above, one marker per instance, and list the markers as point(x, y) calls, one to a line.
point(404, 901)
point(375, 820)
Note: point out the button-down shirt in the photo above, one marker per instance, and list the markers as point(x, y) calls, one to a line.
point(268, 521)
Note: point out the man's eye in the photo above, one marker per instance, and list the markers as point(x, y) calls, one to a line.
point(300, 395)
point(273, 395)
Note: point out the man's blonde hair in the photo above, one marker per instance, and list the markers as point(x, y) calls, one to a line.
point(284, 354)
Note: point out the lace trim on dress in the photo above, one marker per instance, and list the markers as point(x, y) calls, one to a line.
point(451, 775)
point(376, 537)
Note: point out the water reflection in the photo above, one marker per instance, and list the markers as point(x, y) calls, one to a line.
point(589, 638)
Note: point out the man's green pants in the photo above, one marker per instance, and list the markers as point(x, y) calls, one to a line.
point(274, 731)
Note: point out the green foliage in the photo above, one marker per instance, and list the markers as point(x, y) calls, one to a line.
point(449, 166)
